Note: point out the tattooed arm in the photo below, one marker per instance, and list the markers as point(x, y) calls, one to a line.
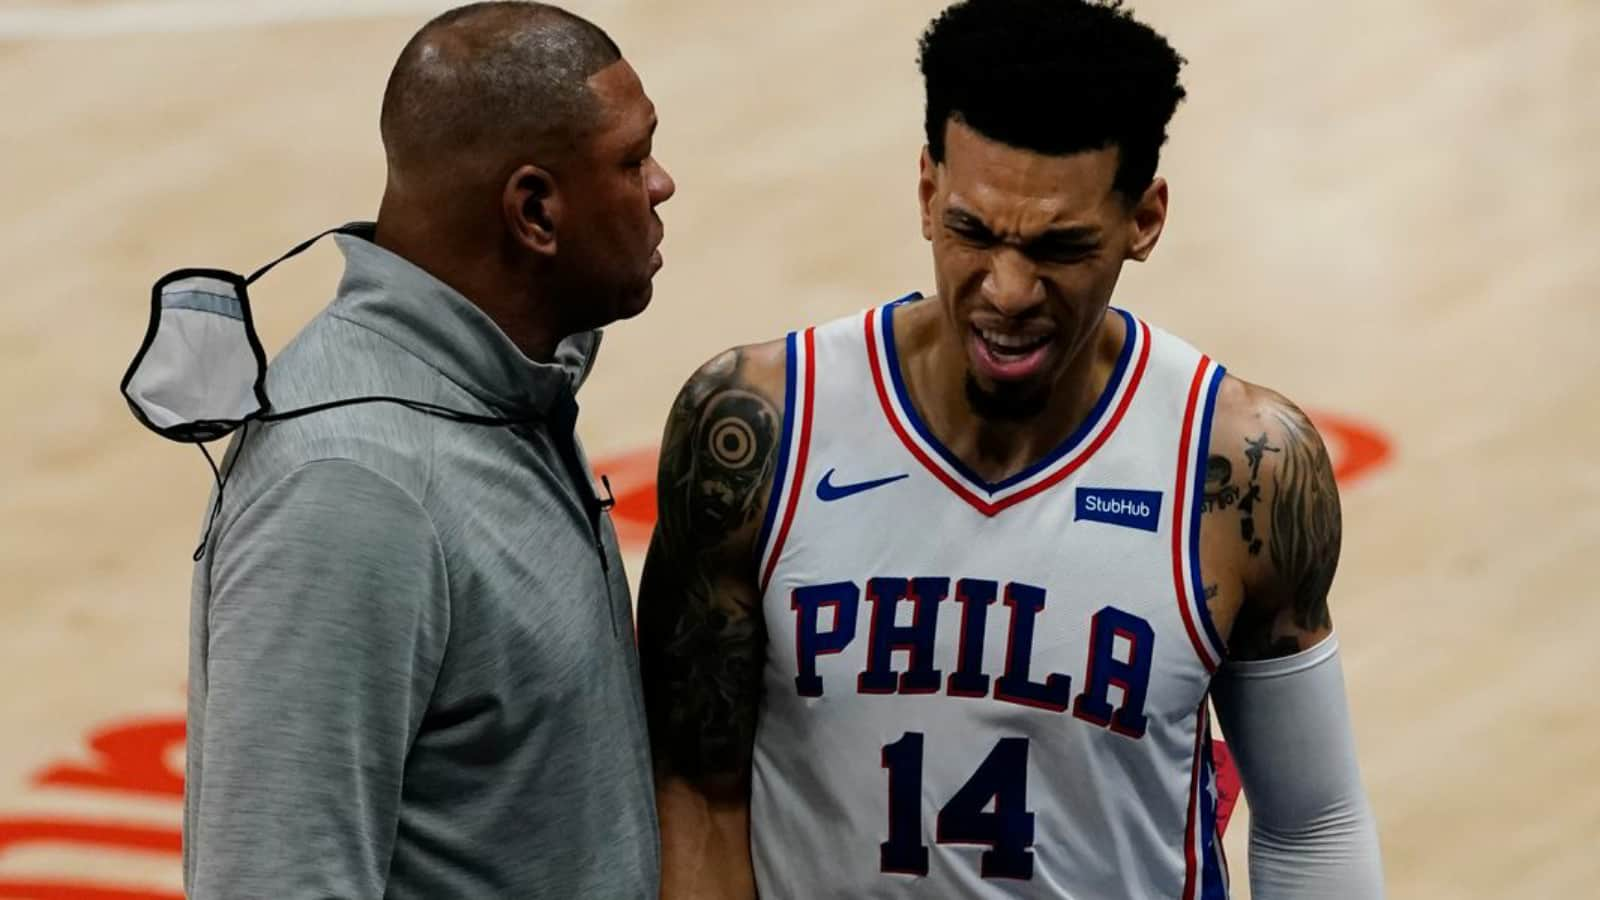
point(1280, 697)
point(701, 634)
point(1288, 522)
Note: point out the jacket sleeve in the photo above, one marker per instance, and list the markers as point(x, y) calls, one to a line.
point(327, 617)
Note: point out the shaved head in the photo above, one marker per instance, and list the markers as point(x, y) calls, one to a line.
point(522, 170)
point(490, 79)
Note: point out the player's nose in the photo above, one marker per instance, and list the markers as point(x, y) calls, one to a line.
point(1012, 285)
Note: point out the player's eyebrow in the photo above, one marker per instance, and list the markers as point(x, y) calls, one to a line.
point(960, 218)
point(1065, 235)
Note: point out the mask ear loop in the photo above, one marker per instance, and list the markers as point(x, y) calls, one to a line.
point(217, 474)
point(222, 484)
point(221, 477)
point(297, 250)
point(432, 409)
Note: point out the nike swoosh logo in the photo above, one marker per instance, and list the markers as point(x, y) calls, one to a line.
point(828, 492)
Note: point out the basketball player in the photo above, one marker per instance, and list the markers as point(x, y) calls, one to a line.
point(940, 590)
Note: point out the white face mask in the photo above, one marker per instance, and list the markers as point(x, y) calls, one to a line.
point(201, 373)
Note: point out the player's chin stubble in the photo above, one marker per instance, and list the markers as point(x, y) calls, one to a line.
point(1005, 402)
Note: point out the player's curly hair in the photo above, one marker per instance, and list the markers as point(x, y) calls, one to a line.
point(1055, 77)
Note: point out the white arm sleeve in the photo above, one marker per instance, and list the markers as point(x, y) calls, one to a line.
point(1312, 834)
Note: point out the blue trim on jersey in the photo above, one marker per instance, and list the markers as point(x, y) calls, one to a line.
point(792, 351)
point(1201, 450)
point(1212, 885)
point(886, 326)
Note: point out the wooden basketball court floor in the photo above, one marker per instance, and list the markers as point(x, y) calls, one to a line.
point(1386, 210)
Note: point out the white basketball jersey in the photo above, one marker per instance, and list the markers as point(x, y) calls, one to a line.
point(985, 690)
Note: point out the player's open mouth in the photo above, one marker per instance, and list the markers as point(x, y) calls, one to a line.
point(1008, 357)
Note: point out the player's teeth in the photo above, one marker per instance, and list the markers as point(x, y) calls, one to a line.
point(1007, 340)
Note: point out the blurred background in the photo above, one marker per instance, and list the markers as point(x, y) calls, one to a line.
point(1386, 211)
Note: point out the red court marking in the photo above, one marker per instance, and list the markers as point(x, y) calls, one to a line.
point(59, 832)
point(14, 832)
point(129, 758)
point(69, 890)
point(1356, 449)
point(633, 484)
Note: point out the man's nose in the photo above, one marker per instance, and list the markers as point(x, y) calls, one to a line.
point(660, 185)
point(1012, 285)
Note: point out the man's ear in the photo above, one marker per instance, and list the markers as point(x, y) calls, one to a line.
point(532, 208)
point(927, 186)
point(1149, 217)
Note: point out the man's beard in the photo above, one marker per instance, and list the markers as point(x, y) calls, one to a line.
point(1007, 402)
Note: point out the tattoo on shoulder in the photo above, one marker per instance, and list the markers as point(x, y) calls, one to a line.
point(1220, 491)
point(1305, 519)
point(701, 636)
point(1254, 449)
point(719, 454)
point(1289, 519)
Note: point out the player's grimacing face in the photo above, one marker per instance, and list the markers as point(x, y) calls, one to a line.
point(1027, 249)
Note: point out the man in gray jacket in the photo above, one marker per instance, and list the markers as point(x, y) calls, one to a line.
point(412, 670)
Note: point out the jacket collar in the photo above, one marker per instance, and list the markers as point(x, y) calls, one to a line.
point(391, 296)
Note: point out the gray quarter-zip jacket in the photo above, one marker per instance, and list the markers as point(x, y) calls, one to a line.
point(411, 668)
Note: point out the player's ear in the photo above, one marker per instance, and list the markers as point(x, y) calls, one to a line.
point(1149, 217)
point(531, 205)
point(927, 186)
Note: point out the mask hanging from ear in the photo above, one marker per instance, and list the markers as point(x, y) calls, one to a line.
point(201, 373)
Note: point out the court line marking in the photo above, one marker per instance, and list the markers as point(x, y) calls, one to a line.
point(184, 16)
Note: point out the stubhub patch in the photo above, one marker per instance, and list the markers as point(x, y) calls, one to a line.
point(1118, 506)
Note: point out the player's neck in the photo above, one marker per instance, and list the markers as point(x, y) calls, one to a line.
point(995, 448)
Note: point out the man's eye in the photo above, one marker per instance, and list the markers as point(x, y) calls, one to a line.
point(1060, 253)
point(971, 235)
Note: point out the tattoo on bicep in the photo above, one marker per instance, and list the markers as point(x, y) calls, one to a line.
point(1305, 519)
point(706, 640)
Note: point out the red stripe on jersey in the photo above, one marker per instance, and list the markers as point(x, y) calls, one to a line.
point(987, 507)
point(799, 479)
point(894, 421)
point(1180, 517)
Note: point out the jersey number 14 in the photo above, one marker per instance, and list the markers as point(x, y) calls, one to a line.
point(1002, 778)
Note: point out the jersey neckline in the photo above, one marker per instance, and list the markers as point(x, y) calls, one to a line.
point(991, 497)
